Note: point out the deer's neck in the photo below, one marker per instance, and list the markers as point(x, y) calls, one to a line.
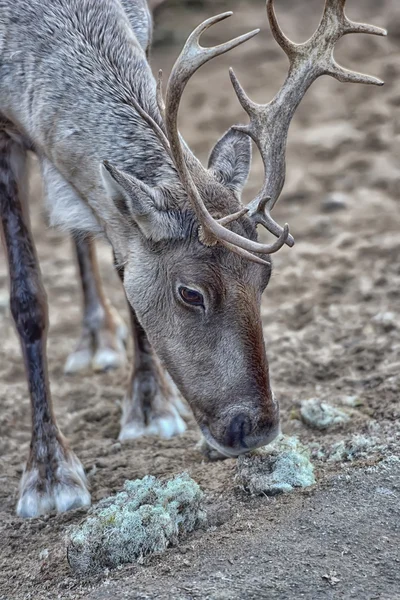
point(111, 130)
point(82, 112)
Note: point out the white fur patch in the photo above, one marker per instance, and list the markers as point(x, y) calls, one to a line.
point(66, 209)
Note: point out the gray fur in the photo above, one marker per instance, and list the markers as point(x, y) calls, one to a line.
point(69, 70)
point(230, 160)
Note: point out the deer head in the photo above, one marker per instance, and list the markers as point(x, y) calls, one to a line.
point(196, 272)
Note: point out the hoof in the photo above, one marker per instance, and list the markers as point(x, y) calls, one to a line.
point(165, 426)
point(62, 490)
point(80, 360)
point(101, 351)
point(107, 358)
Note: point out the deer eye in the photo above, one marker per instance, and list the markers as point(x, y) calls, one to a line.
point(189, 296)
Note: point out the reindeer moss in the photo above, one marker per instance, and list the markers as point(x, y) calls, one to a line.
point(277, 468)
point(358, 447)
point(322, 415)
point(146, 517)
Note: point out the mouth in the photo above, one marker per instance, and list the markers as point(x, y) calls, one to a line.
point(232, 452)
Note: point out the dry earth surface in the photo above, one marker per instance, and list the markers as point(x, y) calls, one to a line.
point(332, 329)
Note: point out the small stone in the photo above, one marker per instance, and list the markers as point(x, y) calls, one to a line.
point(351, 401)
point(115, 448)
point(322, 227)
point(44, 554)
point(331, 578)
point(387, 320)
point(335, 201)
point(321, 415)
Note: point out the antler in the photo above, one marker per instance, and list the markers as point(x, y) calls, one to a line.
point(269, 123)
point(192, 57)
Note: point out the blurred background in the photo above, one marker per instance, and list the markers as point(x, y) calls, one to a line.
point(332, 310)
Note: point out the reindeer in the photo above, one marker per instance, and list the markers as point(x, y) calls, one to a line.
point(76, 88)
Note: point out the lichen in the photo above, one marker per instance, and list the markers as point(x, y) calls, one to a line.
point(322, 415)
point(277, 468)
point(146, 517)
point(357, 447)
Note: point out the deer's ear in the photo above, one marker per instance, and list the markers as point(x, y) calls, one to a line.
point(138, 202)
point(230, 160)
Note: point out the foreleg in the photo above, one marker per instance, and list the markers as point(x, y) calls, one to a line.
point(53, 478)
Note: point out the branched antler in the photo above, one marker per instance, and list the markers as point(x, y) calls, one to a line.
point(192, 57)
point(269, 123)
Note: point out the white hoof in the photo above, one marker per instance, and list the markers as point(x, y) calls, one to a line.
point(78, 361)
point(101, 349)
point(106, 358)
point(65, 490)
point(165, 426)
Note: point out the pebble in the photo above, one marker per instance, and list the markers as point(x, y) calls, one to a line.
point(387, 320)
point(321, 415)
point(335, 201)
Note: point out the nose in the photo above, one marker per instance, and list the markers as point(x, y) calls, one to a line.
point(239, 428)
point(235, 432)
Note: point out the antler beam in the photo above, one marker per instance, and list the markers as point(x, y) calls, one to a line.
point(269, 123)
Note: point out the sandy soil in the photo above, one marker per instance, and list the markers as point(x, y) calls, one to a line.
point(331, 316)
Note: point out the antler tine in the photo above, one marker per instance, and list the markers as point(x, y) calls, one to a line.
point(353, 27)
point(261, 215)
point(233, 217)
point(350, 26)
point(269, 123)
point(284, 42)
point(192, 57)
point(345, 76)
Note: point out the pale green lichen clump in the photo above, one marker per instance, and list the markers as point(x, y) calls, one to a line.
point(147, 516)
point(277, 468)
point(322, 415)
point(358, 447)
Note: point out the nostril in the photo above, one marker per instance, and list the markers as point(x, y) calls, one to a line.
point(238, 429)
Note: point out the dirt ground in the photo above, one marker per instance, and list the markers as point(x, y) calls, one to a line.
point(332, 329)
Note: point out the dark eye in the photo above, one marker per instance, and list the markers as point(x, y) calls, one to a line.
point(192, 297)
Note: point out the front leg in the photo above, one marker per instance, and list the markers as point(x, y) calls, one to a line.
point(54, 478)
point(102, 342)
point(152, 404)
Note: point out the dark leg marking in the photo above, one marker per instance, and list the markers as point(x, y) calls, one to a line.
point(53, 477)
